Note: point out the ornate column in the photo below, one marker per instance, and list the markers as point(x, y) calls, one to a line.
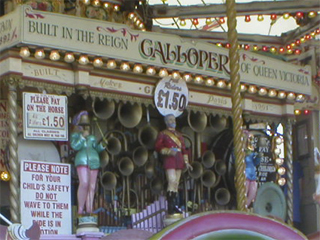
point(240, 178)
point(12, 83)
point(288, 159)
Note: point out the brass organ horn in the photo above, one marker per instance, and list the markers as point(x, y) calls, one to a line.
point(114, 145)
point(197, 121)
point(208, 158)
point(222, 196)
point(129, 114)
point(149, 169)
point(108, 180)
point(217, 122)
point(208, 178)
point(156, 185)
point(147, 135)
point(126, 166)
point(104, 159)
point(196, 171)
point(103, 109)
point(140, 156)
point(220, 167)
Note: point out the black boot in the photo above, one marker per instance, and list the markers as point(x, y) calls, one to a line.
point(176, 203)
point(170, 200)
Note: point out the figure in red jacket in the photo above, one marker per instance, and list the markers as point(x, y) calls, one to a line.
point(170, 144)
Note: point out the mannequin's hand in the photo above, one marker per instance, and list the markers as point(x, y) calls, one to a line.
point(85, 133)
point(189, 166)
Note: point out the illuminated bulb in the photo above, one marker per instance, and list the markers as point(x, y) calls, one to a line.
point(252, 89)
point(229, 85)
point(278, 140)
point(243, 88)
point(255, 48)
point(54, 55)
point(246, 47)
point(282, 181)
point(86, 2)
point(96, 3)
point(116, 8)
point(198, 79)
point(5, 176)
point(138, 22)
point(247, 18)
point(286, 16)
point(141, 25)
point(227, 45)
point(183, 23)
point(302, 40)
point(219, 44)
point(262, 91)
point(187, 77)
point(281, 50)
point(282, 95)
point(208, 21)
point(260, 18)
point(312, 14)
point(307, 37)
point(281, 170)
point(98, 62)
point(210, 82)
point(277, 151)
point(300, 98)
point(69, 58)
point(273, 17)
point(264, 48)
point(163, 72)
point(297, 112)
point(222, 20)
point(272, 93)
point(131, 16)
point(195, 21)
point(221, 84)
point(291, 96)
point(273, 49)
point(306, 112)
point(151, 71)
point(176, 75)
point(289, 51)
point(299, 14)
point(318, 31)
point(138, 68)
point(279, 161)
point(298, 42)
point(111, 64)
point(293, 45)
point(39, 54)
point(125, 66)
point(83, 60)
point(313, 34)
point(106, 5)
point(24, 52)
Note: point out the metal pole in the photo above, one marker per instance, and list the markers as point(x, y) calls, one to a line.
point(13, 150)
point(288, 154)
point(240, 177)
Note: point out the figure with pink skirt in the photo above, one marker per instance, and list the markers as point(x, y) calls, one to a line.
point(87, 161)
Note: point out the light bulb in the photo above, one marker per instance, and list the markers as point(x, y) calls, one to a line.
point(54, 55)
point(138, 68)
point(210, 82)
point(98, 62)
point(40, 54)
point(262, 91)
point(111, 64)
point(187, 77)
point(151, 71)
point(279, 161)
point(69, 58)
point(163, 72)
point(24, 52)
point(125, 66)
point(282, 181)
point(83, 60)
point(281, 170)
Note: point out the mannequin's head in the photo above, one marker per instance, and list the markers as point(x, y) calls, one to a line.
point(170, 121)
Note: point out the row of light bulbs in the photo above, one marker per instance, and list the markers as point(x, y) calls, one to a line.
point(281, 170)
point(136, 21)
point(288, 49)
point(105, 4)
point(163, 72)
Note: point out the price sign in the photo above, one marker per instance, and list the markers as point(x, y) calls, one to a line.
point(171, 96)
point(45, 117)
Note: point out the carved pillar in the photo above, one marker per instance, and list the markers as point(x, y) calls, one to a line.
point(240, 178)
point(12, 83)
point(288, 158)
